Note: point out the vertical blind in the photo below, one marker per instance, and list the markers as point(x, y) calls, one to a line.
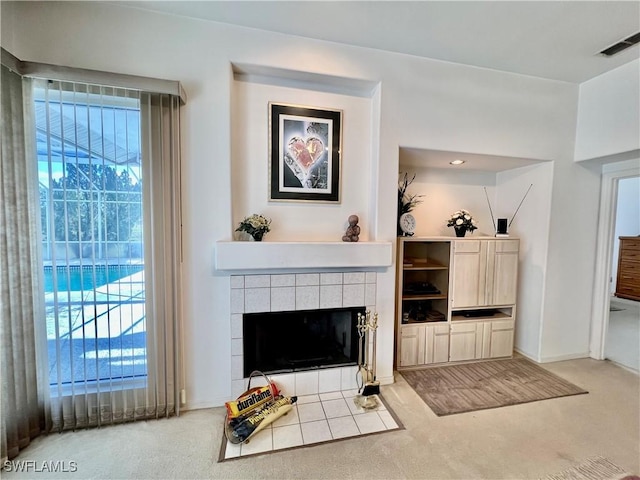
point(109, 175)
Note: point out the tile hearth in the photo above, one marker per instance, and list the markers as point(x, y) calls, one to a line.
point(316, 419)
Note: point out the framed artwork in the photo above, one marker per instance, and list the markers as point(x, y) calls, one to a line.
point(304, 153)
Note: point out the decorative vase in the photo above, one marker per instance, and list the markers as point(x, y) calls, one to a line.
point(258, 236)
point(243, 236)
point(460, 231)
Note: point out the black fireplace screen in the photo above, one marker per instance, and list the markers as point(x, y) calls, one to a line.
point(279, 342)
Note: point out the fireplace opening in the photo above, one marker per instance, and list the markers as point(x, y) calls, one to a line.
point(279, 342)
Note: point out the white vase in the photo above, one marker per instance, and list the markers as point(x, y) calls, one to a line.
point(242, 236)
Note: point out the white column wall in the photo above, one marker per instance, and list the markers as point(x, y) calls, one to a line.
point(420, 103)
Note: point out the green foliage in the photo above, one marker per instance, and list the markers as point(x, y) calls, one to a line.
point(93, 203)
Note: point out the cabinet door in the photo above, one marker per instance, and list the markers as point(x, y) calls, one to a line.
point(463, 341)
point(501, 338)
point(468, 274)
point(437, 349)
point(504, 286)
point(412, 345)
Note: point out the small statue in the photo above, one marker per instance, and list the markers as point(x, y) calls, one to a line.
point(353, 231)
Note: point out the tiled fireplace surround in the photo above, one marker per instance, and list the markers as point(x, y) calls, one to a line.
point(298, 291)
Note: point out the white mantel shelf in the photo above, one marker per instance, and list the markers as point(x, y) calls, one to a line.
point(236, 255)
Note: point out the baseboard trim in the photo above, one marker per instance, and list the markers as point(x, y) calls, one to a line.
point(561, 358)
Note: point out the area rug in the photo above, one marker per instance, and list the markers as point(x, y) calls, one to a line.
point(598, 468)
point(467, 387)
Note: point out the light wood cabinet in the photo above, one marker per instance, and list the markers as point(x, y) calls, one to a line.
point(480, 339)
point(484, 272)
point(455, 299)
point(423, 344)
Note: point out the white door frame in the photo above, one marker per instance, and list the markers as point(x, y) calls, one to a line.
point(611, 174)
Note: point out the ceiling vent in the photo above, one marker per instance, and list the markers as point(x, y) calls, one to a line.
point(621, 45)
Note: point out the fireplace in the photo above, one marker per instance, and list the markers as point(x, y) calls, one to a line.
point(297, 292)
point(293, 341)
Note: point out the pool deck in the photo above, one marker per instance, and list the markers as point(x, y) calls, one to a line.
point(101, 332)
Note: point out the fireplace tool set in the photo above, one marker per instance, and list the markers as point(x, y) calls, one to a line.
point(370, 387)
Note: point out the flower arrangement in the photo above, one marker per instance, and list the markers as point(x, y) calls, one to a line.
point(462, 221)
point(255, 225)
point(406, 202)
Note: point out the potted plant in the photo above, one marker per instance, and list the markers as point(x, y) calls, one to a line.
point(462, 221)
point(406, 202)
point(256, 226)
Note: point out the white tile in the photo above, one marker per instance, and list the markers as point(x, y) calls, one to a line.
point(343, 427)
point(237, 281)
point(353, 295)
point(261, 442)
point(238, 387)
point(287, 436)
point(304, 399)
point(336, 408)
point(354, 277)
point(237, 367)
point(370, 277)
point(308, 298)
point(257, 300)
point(370, 294)
point(314, 432)
point(257, 281)
point(369, 422)
point(286, 383)
point(331, 279)
point(330, 396)
point(303, 279)
point(232, 450)
point(307, 383)
point(311, 412)
point(284, 280)
point(387, 419)
point(330, 296)
point(290, 418)
point(348, 380)
point(283, 299)
point(236, 325)
point(236, 346)
point(237, 301)
point(330, 380)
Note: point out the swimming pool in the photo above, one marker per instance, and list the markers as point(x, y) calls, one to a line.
point(76, 278)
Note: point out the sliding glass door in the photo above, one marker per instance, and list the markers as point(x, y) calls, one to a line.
point(91, 198)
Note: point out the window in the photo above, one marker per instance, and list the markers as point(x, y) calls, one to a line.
point(91, 198)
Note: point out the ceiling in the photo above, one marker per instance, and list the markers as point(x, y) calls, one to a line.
point(557, 40)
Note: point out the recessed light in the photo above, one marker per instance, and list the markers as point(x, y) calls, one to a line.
point(456, 162)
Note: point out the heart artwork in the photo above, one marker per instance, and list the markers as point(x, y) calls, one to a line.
point(305, 152)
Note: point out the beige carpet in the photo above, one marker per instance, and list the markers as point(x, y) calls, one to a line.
point(467, 387)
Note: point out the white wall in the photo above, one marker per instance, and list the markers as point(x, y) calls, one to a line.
point(250, 164)
point(531, 226)
point(609, 113)
point(420, 103)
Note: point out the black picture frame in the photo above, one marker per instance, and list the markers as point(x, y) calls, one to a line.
point(304, 153)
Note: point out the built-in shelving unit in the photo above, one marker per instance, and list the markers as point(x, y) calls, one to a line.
point(455, 299)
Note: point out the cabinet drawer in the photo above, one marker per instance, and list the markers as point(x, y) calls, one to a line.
point(627, 255)
point(630, 244)
point(467, 246)
point(502, 325)
point(506, 246)
point(463, 327)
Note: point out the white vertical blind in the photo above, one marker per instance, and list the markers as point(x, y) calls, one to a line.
point(109, 163)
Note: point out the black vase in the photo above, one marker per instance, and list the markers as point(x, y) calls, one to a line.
point(258, 236)
point(460, 231)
